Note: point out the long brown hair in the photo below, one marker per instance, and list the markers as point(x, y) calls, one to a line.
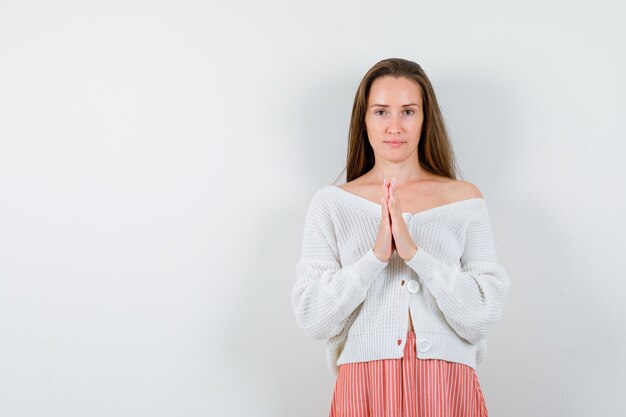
point(434, 150)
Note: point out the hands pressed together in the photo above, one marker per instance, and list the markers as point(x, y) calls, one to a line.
point(393, 233)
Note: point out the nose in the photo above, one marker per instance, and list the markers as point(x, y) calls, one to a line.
point(394, 126)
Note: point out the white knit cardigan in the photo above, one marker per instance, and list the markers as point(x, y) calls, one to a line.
point(453, 286)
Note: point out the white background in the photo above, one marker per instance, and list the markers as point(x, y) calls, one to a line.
point(157, 159)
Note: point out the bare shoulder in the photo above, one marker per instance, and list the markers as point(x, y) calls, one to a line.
point(463, 190)
point(349, 186)
point(356, 184)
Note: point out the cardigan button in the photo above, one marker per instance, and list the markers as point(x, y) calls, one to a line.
point(424, 346)
point(413, 286)
point(399, 342)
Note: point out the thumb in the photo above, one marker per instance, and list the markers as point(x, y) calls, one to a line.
point(384, 211)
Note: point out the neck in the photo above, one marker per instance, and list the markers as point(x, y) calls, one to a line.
point(403, 173)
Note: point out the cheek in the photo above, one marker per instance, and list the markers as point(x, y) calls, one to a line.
point(417, 124)
point(371, 124)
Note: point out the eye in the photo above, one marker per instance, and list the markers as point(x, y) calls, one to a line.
point(379, 112)
point(409, 112)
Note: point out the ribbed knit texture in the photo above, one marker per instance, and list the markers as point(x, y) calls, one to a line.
point(344, 294)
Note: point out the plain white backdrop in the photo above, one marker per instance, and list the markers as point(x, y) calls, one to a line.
point(157, 159)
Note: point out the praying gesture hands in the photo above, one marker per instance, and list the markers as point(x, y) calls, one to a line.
point(393, 233)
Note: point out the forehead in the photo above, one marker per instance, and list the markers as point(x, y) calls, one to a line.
point(394, 90)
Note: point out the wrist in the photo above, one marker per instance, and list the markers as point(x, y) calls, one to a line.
point(412, 253)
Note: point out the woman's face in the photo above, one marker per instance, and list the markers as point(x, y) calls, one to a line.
point(394, 117)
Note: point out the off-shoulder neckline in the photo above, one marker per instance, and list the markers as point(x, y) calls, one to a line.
point(376, 208)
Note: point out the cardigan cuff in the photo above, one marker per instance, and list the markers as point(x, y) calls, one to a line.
point(425, 264)
point(368, 267)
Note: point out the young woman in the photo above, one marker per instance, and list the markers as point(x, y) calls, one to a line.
point(398, 270)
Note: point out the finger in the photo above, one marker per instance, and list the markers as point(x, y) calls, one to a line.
point(384, 187)
point(383, 207)
point(394, 207)
point(383, 199)
point(394, 196)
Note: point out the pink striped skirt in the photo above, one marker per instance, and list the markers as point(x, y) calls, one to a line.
point(407, 387)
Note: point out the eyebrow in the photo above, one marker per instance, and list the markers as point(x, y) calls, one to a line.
point(387, 105)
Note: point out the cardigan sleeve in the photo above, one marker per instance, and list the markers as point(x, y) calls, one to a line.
point(471, 294)
point(325, 292)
